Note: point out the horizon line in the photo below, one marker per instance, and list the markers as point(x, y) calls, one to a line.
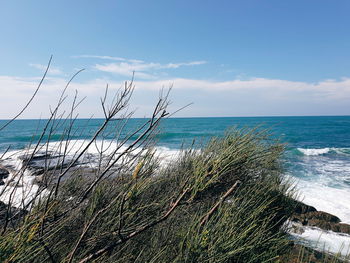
point(199, 117)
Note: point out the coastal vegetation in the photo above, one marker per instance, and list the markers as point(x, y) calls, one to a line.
point(225, 201)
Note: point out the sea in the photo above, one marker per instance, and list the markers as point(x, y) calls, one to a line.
point(316, 160)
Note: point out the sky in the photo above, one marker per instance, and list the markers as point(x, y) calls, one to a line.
point(225, 57)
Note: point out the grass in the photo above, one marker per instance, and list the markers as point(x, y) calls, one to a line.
point(186, 211)
point(224, 202)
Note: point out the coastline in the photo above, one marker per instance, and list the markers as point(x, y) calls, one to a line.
point(305, 218)
point(319, 231)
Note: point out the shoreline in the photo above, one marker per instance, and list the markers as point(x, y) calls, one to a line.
point(305, 219)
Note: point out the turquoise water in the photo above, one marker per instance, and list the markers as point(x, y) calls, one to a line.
point(317, 156)
point(298, 132)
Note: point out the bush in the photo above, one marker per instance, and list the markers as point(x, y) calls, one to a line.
point(224, 202)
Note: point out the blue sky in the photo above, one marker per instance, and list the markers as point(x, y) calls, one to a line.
point(230, 58)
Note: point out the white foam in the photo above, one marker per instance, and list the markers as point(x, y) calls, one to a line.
point(166, 155)
point(320, 151)
point(332, 242)
point(345, 151)
point(22, 195)
point(324, 184)
point(324, 198)
point(20, 186)
point(312, 152)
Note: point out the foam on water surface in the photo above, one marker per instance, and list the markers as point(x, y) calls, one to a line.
point(19, 188)
point(335, 243)
point(320, 151)
point(327, 199)
point(319, 161)
point(323, 180)
point(314, 151)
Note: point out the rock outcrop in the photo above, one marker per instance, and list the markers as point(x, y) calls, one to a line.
point(4, 173)
point(309, 216)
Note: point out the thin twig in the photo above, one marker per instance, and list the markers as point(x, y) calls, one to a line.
point(218, 203)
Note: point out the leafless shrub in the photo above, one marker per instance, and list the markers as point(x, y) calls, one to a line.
point(223, 203)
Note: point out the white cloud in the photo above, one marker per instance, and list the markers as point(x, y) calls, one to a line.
point(52, 70)
point(101, 57)
point(336, 89)
point(141, 69)
point(256, 96)
point(110, 58)
point(127, 67)
point(177, 65)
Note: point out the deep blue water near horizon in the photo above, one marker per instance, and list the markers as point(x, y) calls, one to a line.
point(302, 132)
point(317, 156)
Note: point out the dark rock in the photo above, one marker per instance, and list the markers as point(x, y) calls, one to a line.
point(2, 182)
point(4, 173)
point(39, 156)
point(343, 228)
point(301, 208)
point(3, 176)
point(323, 216)
point(42, 162)
point(335, 227)
point(322, 220)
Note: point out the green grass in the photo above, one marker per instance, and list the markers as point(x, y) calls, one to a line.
point(174, 213)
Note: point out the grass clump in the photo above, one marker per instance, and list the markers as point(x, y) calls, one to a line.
point(225, 202)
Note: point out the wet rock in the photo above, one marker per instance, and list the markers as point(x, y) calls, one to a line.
point(323, 216)
point(335, 227)
point(38, 156)
point(296, 228)
point(316, 216)
point(343, 228)
point(301, 208)
point(4, 173)
point(320, 219)
point(40, 163)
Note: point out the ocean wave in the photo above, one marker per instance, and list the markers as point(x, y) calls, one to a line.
point(321, 151)
point(335, 243)
point(50, 155)
point(325, 198)
point(73, 148)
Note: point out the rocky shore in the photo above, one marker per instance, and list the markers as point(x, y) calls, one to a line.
point(4, 173)
point(304, 216)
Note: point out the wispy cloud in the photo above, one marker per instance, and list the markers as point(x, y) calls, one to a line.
point(255, 96)
point(127, 67)
point(52, 70)
point(326, 89)
point(109, 58)
point(177, 65)
point(141, 68)
point(101, 57)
